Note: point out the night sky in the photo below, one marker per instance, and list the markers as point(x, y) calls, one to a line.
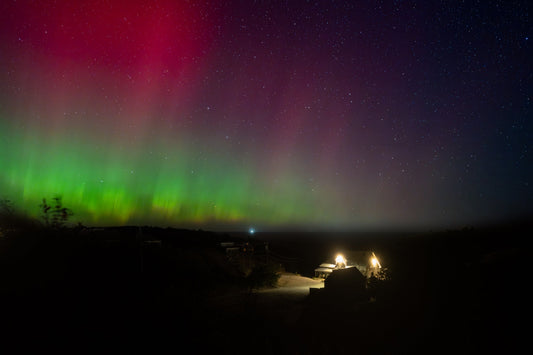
point(271, 114)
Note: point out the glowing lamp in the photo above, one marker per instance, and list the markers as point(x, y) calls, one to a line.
point(340, 261)
point(374, 261)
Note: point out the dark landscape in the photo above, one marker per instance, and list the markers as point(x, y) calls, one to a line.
point(148, 289)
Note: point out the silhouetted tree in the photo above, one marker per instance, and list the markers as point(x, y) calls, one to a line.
point(45, 208)
point(55, 216)
point(379, 284)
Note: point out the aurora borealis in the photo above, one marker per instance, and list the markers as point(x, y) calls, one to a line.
point(270, 114)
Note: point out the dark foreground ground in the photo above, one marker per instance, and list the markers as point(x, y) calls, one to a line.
point(119, 291)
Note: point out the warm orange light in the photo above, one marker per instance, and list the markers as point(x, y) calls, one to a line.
point(374, 261)
point(339, 260)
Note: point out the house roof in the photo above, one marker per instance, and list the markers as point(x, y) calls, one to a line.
point(323, 269)
point(326, 265)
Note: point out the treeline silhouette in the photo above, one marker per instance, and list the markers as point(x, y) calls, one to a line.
point(126, 285)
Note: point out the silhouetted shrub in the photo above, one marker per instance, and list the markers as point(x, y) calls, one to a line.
point(263, 275)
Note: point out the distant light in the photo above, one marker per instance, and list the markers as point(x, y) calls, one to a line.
point(374, 261)
point(340, 261)
point(251, 231)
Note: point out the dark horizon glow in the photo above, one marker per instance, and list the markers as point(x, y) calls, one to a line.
point(340, 115)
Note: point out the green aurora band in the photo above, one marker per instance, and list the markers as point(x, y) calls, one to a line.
point(106, 184)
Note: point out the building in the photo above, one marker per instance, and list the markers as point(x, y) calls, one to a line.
point(324, 270)
point(365, 261)
point(347, 282)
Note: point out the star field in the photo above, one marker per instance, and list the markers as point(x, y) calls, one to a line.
point(323, 114)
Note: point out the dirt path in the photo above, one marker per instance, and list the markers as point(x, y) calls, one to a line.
point(285, 302)
point(292, 285)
